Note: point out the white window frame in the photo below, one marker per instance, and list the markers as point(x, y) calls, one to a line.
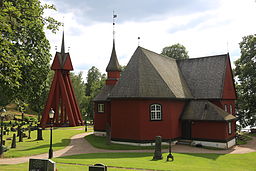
point(231, 109)
point(101, 108)
point(155, 112)
point(226, 108)
point(229, 127)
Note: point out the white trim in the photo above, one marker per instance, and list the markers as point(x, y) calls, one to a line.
point(141, 144)
point(99, 133)
point(229, 127)
point(221, 145)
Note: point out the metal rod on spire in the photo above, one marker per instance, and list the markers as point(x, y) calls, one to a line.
point(138, 41)
point(114, 23)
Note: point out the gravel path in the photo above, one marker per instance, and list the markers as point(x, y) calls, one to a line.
point(79, 145)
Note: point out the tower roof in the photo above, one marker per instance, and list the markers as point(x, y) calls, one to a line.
point(113, 64)
point(62, 60)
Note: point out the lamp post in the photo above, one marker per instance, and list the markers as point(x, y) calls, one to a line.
point(51, 115)
point(85, 123)
point(1, 143)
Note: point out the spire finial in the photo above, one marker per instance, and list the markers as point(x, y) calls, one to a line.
point(114, 23)
point(139, 41)
point(62, 44)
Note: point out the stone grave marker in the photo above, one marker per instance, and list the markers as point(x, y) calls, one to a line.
point(41, 165)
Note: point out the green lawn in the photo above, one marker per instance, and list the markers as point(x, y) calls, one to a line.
point(188, 162)
point(61, 138)
point(101, 142)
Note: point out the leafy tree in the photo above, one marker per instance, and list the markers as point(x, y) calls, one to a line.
point(79, 90)
point(95, 81)
point(176, 51)
point(246, 81)
point(24, 49)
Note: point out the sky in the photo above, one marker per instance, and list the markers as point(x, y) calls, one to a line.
point(205, 28)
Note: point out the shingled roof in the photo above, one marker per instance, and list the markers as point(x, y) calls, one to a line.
point(113, 64)
point(205, 76)
point(150, 75)
point(104, 93)
point(205, 110)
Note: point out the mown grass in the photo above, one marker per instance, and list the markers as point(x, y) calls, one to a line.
point(188, 162)
point(61, 138)
point(101, 142)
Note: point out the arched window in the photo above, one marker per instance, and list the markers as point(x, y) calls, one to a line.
point(155, 112)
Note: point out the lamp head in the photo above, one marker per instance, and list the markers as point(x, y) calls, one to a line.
point(51, 113)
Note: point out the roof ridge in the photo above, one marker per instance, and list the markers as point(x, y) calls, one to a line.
point(203, 57)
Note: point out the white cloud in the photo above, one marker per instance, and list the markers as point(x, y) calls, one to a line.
point(202, 33)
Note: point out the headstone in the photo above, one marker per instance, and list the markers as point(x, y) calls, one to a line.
point(98, 167)
point(41, 165)
point(158, 146)
point(29, 132)
point(13, 141)
point(21, 136)
point(39, 134)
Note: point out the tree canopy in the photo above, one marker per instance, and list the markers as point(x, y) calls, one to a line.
point(246, 81)
point(176, 51)
point(24, 49)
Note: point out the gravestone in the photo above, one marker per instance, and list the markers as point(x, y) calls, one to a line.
point(13, 141)
point(98, 167)
point(41, 165)
point(158, 146)
point(39, 134)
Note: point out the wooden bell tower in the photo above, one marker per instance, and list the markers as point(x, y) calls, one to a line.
point(61, 97)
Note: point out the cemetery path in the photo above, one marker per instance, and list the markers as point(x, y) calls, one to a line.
point(79, 145)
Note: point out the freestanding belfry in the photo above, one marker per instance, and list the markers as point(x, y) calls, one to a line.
point(61, 97)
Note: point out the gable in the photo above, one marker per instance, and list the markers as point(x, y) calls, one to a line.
point(229, 91)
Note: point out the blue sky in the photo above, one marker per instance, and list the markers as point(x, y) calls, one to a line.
point(204, 27)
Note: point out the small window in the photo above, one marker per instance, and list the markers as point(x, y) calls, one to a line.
point(229, 127)
point(155, 112)
point(100, 108)
point(226, 108)
point(231, 109)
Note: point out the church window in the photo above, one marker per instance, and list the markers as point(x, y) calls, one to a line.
point(100, 108)
point(229, 127)
point(231, 109)
point(155, 112)
point(226, 108)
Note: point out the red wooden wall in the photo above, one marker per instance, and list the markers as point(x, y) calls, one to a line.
point(131, 120)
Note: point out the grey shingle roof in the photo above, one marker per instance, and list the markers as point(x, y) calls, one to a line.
point(150, 75)
point(204, 76)
point(104, 93)
point(205, 110)
point(113, 64)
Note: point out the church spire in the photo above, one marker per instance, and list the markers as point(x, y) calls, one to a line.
point(113, 64)
point(62, 45)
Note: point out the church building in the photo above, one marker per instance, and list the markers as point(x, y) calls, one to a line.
point(186, 99)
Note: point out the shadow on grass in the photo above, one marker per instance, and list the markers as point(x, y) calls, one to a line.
point(63, 143)
point(210, 156)
point(108, 155)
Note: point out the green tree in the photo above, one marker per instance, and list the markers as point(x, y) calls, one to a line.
point(246, 81)
point(95, 81)
point(24, 49)
point(79, 90)
point(176, 51)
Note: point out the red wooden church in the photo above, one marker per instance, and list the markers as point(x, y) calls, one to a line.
point(192, 99)
point(61, 97)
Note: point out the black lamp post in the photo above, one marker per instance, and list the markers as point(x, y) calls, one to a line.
point(51, 115)
point(1, 143)
point(85, 123)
